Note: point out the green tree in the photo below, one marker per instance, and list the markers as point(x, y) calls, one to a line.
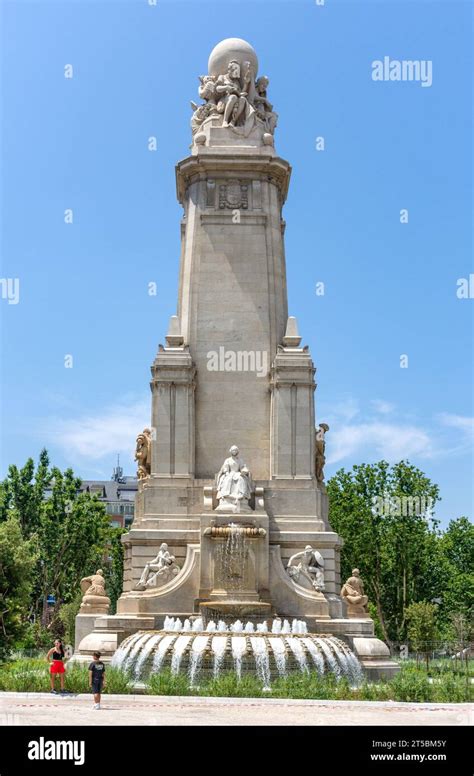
point(412, 536)
point(456, 553)
point(463, 628)
point(67, 617)
point(422, 627)
point(23, 491)
point(17, 563)
point(72, 538)
point(69, 532)
point(385, 515)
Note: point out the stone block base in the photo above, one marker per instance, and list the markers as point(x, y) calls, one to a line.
point(84, 626)
point(374, 656)
point(379, 670)
point(107, 635)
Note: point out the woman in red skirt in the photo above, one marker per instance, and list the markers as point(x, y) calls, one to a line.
point(55, 656)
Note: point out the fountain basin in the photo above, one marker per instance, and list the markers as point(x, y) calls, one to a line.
point(199, 651)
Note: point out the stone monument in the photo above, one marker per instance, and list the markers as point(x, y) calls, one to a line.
point(309, 571)
point(94, 603)
point(234, 484)
point(231, 539)
point(160, 570)
point(352, 592)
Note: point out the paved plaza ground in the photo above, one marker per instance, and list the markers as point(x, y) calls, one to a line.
point(42, 709)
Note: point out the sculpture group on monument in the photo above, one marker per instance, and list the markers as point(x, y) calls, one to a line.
point(238, 542)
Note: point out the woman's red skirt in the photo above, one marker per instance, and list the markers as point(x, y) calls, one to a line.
point(57, 667)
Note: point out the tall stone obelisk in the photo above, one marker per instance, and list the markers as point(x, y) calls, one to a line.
point(232, 370)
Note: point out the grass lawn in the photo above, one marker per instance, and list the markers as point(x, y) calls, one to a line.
point(444, 683)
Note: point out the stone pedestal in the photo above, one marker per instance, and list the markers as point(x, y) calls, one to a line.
point(356, 612)
point(107, 635)
point(84, 624)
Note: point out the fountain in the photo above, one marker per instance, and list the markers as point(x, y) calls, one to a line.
point(236, 647)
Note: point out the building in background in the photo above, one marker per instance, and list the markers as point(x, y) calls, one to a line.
point(118, 495)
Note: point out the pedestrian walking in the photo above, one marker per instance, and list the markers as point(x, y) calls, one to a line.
point(97, 678)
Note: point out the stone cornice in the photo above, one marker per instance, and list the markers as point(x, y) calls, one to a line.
point(224, 165)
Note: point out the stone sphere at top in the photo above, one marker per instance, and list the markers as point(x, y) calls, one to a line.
point(228, 49)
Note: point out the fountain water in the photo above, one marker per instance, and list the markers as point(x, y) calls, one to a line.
point(237, 646)
point(262, 662)
point(145, 653)
point(297, 647)
point(121, 655)
point(316, 654)
point(232, 558)
point(218, 646)
point(180, 645)
point(197, 651)
point(130, 660)
point(329, 656)
point(279, 653)
point(350, 666)
point(160, 653)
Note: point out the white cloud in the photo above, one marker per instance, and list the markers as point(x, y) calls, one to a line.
point(101, 435)
point(382, 406)
point(353, 440)
point(462, 422)
point(345, 409)
point(378, 440)
point(358, 435)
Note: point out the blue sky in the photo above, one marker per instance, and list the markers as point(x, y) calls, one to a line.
point(390, 288)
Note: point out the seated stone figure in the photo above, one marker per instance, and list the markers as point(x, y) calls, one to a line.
point(201, 112)
point(352, 592)
point(94, 598)
point(234, 484)
point(263, 105)
point(233, 91)
point(160, 570)
point(309, 570)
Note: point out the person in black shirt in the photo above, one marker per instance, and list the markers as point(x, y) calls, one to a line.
point(97, 678)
